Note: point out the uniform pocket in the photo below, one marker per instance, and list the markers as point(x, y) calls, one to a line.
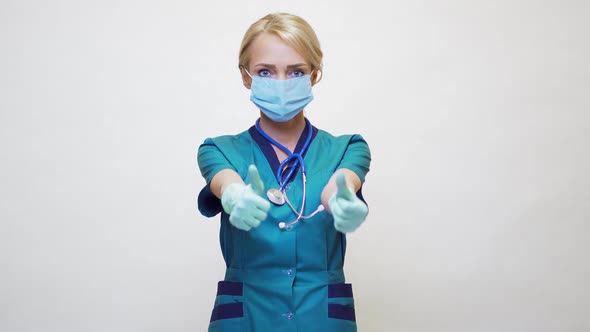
point(228, 310)
point(229, 306)
point(341, 302)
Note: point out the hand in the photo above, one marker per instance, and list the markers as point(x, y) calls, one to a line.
point(349, 211)
point(243, 203)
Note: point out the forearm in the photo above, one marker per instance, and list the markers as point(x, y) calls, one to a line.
point(222, 179)
point(352, 181)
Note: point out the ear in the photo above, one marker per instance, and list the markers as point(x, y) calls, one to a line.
point(314, 77)
point(246, 79)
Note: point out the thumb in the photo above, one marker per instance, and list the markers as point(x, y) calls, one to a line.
point(342, 190)
point(255, 180)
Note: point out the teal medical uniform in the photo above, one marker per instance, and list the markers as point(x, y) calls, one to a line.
point(282, 279)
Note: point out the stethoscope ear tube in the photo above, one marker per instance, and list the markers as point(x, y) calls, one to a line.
point(300, 216)
point(283, 225)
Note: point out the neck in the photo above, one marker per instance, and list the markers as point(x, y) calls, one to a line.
point(286, 133)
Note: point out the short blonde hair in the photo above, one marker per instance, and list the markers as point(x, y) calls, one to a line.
point(294, 30)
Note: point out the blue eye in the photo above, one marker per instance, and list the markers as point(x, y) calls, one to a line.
point(264, 73)
point(297, 73)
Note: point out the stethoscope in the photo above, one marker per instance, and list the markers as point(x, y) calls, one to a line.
point(279, 196)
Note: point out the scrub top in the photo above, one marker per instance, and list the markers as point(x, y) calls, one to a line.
point(288, 279)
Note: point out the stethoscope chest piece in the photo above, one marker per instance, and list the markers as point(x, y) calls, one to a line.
point(276, 196)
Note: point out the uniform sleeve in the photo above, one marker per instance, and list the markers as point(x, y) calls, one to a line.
point(211, 160)
point(357, 157)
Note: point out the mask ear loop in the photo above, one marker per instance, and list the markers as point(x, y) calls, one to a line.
point(247, 72)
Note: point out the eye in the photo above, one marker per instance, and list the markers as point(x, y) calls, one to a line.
point(264, 73)
point(296, 73)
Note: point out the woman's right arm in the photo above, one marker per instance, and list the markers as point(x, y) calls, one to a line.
point(222, 179)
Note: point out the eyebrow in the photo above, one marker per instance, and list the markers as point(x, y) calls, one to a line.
point(289, 66)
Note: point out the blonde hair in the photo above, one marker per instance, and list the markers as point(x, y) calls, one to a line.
point(294, 30)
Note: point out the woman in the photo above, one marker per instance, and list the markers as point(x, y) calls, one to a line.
point(284, 248)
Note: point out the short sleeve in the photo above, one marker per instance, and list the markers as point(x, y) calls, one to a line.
point(357, 157)
point(211, 160)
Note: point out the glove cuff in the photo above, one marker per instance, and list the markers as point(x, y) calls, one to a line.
point(230, 193)
point(333, 198)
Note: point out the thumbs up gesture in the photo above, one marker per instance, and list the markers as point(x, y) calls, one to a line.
point(243, 203)
point(348, 210)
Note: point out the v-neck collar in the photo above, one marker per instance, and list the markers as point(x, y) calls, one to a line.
point(269, 152)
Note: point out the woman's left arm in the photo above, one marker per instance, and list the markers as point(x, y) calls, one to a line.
point(352, 181)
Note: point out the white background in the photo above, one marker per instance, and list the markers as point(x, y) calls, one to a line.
point(476, 112)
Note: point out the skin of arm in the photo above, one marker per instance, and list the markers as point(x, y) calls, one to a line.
point(352, 181)
point(223, 179)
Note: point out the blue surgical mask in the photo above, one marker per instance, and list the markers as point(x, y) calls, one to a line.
point(281, 100)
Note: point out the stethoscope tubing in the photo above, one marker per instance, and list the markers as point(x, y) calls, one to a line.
point(297, 159)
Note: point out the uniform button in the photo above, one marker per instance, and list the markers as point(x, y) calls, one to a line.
point(289, 315)
point(289, 272)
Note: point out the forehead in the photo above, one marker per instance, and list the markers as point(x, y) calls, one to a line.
point(271, 49)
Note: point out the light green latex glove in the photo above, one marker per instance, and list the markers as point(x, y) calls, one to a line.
point(349, 211)
point(243, 203)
